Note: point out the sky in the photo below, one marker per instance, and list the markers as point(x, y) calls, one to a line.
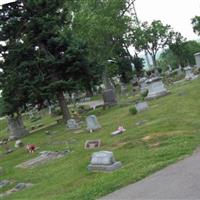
point(177, 13)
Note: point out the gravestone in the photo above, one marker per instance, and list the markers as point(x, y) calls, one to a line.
point(19, 144)
point(141, 106)
point(103, 161)
point(43, 158)
point(142, 83)
point(189, 74)
point(197, 59)
point(109, 97)
point(92, 123)
point(72, 124)
point(123, 89)
point(156, 88)
point(16, 128)
point(92, 144)
point(3, 183)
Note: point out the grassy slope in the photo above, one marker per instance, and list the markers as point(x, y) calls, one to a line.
point(172, 122)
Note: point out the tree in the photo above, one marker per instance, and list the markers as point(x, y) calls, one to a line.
point(153, 37)
point(184, 51)
point(48, 58)
point(196, 24)
point(139, 65)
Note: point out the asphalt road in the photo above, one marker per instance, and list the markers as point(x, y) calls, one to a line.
point(178, 181)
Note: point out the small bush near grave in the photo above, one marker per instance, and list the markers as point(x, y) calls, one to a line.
point(133, 110)
point(144, 94)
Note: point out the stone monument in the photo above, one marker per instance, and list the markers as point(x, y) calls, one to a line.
point(142, 83)
point(197, 59)
point(109, 97)
point(103, 161)
point(141, 106)
point(156, 88)
point(189, 74)
point(16, 128)
point(92, 123)
point(72, 124)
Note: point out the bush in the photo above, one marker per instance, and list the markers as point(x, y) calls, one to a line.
point(133, 110)
point(144, 94)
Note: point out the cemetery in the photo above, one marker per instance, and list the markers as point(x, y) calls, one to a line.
point(94, 101)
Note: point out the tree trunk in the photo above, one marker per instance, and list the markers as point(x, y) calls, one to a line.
point(63, 106)
point(155, 65)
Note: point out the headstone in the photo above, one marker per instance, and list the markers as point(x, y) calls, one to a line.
point(43, 158)
point(92, 123)
point(21, 186)
point(142, 83)
point(109, 97)
point(189, 74)
point(92, 144)
point(141, 106)
point(123, 89)
point(156, 88)
point(16, 128)
point(72, 124)
point(18, 144)
point(197, 59)
point(3, 183)
point(103, 161)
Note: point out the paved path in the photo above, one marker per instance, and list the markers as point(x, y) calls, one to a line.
point(178, 181)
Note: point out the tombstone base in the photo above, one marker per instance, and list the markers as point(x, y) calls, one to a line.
point(104, 168)
point(157, 95)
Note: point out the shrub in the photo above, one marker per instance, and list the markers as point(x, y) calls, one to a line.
point(133, 110)
point(144, 94)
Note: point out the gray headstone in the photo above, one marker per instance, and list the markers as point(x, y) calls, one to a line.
point(103, 161)
point(156, 88)
point(109, 97)
point(197, 59)
point(92, 144)
point(141, 106)
point(16, 127)
point(143, 85)
point(3, 183)
point(72, 124)
point(189, 74)
point(92, 123)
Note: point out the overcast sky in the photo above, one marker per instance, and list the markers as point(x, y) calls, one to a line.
point(177, 13)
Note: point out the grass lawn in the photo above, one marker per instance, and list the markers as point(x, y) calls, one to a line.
point(171, 132)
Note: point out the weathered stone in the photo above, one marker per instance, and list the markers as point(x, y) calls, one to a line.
point(156, 88)
point(109, 97)
point(18, 144)
point(72, 124)
point(43, 158)
point(141, 106)
point(92, 144)
point(21, 186)
point(197, 59)
point(143, 85)
point(3, 183)
point(16, 127)
point(103, 161)
point(189, 74)
point(92, 123)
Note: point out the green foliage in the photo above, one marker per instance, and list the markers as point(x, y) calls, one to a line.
point(184, 51)
point(139, 65)
point(133, 110)
point(144, 94)
point(196, 24)
point(153, 37)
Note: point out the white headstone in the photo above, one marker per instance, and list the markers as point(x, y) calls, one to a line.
point(156, 88)
point(92, 123)
point(189, 74)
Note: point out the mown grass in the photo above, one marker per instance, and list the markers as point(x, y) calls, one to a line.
point(171, 132)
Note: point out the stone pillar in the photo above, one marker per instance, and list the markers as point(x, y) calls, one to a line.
point(109, 97)
point(16, 127)
point(156, 88)
point(197, 59)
